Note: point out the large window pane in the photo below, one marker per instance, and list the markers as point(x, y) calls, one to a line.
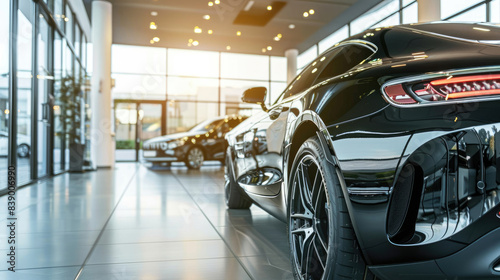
point(44, 76)
point(68, 29)
point(307, 56)
point(59, 135)
point(24, 80)
point(278, 69)
point(59, 13)
point(179, 121)
point(244, 66)
point(275, 92)
point(78, 35)
point(129, 86)
point(495, 11)
point(475, 15)
point(193, 63)
point(410, 14)
point(390, 21)
point(138, 60)
point(4, 90)
point(451, 7)
point(369, 19)
point(180, 88)
point(334, 38)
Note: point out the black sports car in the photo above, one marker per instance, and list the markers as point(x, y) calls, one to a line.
point(205, 141)
point(382, 156)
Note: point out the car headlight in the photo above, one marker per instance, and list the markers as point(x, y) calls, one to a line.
point(175, 144)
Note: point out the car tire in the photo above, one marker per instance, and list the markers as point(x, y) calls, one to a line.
point(234, 198)
point(194, 158)
point(322, 242)
point(23, 151)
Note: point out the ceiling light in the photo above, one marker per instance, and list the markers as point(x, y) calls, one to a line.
point(248, 6)
point(305, 14)
point(291, 26)
point(197, 29)
point(210, 31)
point(279, 35)
point(264, 50)
point(195, 43)
point(154, 13)
point(276, 38)
point(210, 3)
point(269, 8)
point(217, 2)
point(206, 17)
point(311, 12)
point(152, 25)
point(269, 48)
point(228, 48)
point(156, 39)
point(151, 41)
point(190, 40)
point(238, 33)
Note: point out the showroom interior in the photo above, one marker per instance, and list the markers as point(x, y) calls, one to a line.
point(85, 83)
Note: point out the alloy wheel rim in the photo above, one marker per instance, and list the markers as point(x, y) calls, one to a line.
point(309, 220)
point(195, 157)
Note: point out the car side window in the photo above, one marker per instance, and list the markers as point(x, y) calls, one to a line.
point(346, 58)
point(330, 64)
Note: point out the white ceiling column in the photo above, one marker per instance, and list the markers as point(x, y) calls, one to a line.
point(429, 10)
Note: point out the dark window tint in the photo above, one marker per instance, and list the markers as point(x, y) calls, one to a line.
point(343, 60)
point(328, 65)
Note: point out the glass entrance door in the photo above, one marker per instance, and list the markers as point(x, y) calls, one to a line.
point(126, 131)
point(134, 124)
point(150, 123)
point(44, 76)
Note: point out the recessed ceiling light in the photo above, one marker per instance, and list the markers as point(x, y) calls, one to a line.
point(264, 50)
point(196, 43)
point(154, 13)
point(190, 40)
point(197, 29)
point(279, 35)
point(305, 14)
point(210, 31)
point(276, 38)
point(210, 3)
point(228, 48)
point(151, 41)
point(269, 8)
point(206, 17)
point(152, 25)
point(156, 39)
point(311, 12)
point(217, 2)
point(269, 48)
point(291, 26)
point(238, 33)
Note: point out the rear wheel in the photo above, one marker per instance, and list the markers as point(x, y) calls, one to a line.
point(322, 242)
point(194, 158)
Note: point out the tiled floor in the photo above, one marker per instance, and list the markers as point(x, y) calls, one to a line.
point(135, 223)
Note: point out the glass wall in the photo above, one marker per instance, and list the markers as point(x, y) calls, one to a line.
point(43, 60)
point(4, 90)
point(208, 84)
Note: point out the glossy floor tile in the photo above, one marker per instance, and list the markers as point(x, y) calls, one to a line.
point(132, 222)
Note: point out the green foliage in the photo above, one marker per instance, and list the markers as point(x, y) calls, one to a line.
point(125, 144)
point(69, 99)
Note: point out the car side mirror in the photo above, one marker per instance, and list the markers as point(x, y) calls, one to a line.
point(255, 95)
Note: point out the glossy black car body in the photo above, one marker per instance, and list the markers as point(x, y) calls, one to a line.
point(419, 173)
point(203, 142)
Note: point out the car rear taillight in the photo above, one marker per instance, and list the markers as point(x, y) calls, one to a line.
point(451, 88)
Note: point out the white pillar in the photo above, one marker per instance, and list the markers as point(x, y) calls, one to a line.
point(102, 141)
point(291, 64)
point(429, 10)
